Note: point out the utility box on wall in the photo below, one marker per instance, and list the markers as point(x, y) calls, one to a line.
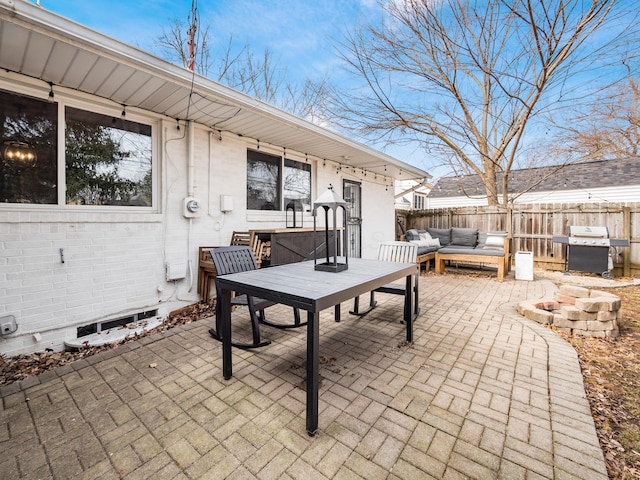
point(175, 271)
point(226, 203)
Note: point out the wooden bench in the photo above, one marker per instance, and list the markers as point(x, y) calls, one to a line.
point(426, 259)
point(502, 262)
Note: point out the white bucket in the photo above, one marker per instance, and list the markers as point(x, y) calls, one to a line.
point(524, 266)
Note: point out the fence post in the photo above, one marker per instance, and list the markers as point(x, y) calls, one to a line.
point(626, 233)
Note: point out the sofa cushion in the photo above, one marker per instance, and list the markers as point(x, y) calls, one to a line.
point(443, 234)
point(423, 250)
point(465, 237)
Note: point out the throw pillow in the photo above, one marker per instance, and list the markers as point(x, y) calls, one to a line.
point(412, 234)
point(433, 242)
point(494, 242)
point(425, 236)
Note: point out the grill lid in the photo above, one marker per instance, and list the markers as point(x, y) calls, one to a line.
point(589, 236)
point(588, 232)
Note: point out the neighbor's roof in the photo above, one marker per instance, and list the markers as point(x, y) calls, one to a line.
point(577, 176)
point(54, 49)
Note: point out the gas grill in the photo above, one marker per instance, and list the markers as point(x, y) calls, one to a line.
point(588, 249)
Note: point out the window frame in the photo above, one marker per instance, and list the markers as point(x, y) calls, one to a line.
point(116, 118)
point(283, 159)
point(81, 101)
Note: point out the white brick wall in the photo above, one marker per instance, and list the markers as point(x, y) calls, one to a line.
point(114, 260)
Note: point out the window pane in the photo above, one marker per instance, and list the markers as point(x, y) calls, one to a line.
point(263, 175)
point(297, 184)
point(28, 146)
point(108, 160)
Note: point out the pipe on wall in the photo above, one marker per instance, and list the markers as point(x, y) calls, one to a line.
point(190, 158)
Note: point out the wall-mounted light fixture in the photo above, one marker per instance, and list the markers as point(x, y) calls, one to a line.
point(51, 95)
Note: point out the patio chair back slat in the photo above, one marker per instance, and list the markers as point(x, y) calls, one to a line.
point(397, 252)
point(236, 259)
point(393, 252)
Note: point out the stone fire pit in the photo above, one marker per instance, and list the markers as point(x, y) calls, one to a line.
point(576, 310)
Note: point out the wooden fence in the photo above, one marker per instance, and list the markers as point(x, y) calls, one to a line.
point(533, 226)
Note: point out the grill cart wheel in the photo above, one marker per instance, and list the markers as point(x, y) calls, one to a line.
point(607, 275)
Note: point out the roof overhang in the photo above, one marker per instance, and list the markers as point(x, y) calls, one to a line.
point(42, 45)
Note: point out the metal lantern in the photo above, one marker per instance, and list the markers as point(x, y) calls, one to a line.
point(294, 214)
point(330, 200)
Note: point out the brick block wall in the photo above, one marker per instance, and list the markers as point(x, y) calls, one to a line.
point(577, 310)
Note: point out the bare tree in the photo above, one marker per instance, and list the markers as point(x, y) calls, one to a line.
point(608, 128)
point(467, 77)
point(244, 70)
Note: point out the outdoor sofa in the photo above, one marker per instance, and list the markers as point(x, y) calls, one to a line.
point(463, 245)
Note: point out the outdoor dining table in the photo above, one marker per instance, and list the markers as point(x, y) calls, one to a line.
point(300, 285)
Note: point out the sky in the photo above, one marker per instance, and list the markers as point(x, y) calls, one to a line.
point(302, 35)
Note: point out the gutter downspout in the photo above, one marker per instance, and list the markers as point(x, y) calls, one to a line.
point(191, 165)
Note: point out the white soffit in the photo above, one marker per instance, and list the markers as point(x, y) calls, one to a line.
point(51, 48)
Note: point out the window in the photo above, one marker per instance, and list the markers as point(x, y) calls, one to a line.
point(297, 184)
point(418, 200)
point(28, 147)
point(274, 182)
point(108, 159)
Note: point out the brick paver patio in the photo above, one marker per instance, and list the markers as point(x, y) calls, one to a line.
point(482, 393)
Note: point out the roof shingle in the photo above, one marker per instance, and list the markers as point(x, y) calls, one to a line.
point(586, 175)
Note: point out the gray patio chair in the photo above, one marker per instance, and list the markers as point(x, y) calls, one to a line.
point(394, 252)
point(235, 259)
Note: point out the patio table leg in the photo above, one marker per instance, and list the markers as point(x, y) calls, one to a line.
point(408, 311)
point(223, 313)
point(313, 367)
